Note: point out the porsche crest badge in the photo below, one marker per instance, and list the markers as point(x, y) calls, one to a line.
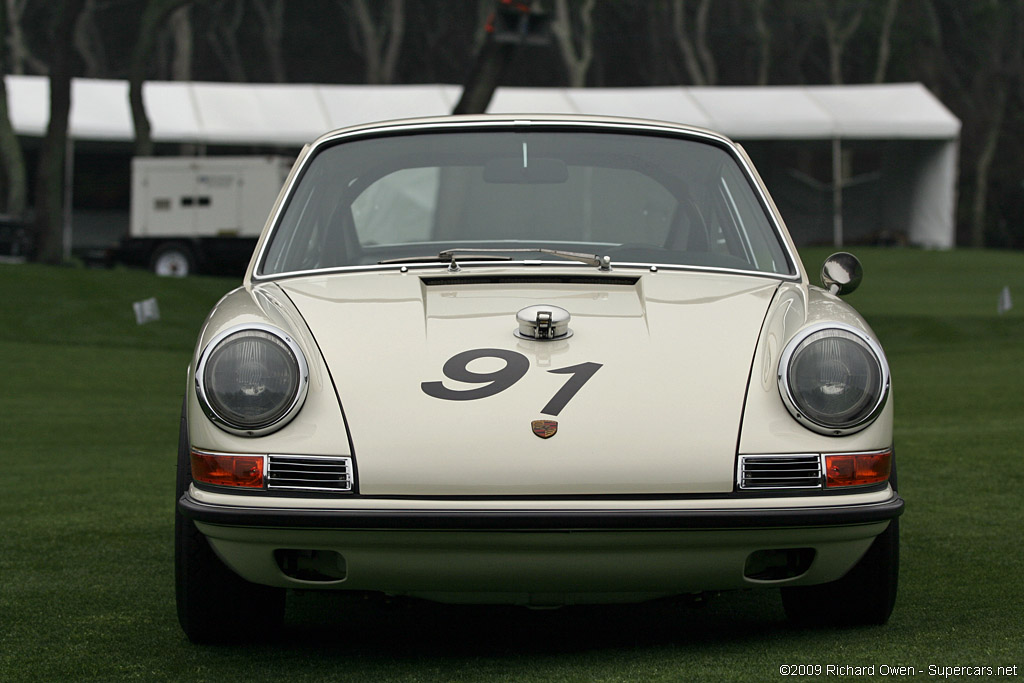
point(545, 429)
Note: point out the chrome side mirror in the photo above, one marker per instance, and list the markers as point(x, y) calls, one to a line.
point(841, 273)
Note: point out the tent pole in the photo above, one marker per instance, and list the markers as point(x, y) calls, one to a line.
point(837, 193)
point(69, 179)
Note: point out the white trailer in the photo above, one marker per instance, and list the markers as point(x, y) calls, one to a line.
point(200, 214)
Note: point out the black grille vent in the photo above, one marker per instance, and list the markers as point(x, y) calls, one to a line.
point(780, 472)
point(605, 280)
point(309, 473)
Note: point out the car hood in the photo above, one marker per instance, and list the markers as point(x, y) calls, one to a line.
point(650, 385)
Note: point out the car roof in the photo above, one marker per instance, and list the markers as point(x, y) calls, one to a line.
point(504, 121)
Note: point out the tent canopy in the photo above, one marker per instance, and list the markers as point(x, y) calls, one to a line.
point(913, 194)
point(272, 114)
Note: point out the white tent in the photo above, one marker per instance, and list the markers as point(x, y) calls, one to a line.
point(917, 179)
point(912, 193)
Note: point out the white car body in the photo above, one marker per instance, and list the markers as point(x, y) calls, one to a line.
point(669, 379)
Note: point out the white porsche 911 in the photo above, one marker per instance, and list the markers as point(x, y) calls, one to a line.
point(539, 361)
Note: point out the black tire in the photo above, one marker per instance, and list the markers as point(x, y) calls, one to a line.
point(173, 259)
point(864, 597)
point(215, 605)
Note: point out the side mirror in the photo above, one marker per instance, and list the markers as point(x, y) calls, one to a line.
point(841, 273)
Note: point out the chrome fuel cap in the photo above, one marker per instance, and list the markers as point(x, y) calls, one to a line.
point(543, 322)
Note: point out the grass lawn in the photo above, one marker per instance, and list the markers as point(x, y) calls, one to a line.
point(90, 404)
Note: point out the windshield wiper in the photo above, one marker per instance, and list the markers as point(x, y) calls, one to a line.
point(603, 263)
point(444, 256)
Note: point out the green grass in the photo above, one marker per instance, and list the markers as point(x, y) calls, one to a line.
point(90, 404)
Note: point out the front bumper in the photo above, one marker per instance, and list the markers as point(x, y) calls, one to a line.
point(511, 518)
point(540, 555)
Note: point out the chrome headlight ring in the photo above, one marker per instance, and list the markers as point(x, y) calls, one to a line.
point(252, 379)
point(833, 378)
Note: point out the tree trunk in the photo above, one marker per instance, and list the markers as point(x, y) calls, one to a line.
point(1006, 76)
point(181, 51)
point(222, 36)
point(707, 59)
point(370, 41)
point(837, 34)
point(389, 60)
point(380, 47)
point(271, 13)
point(89, 43)
point(153, 17)
point(697, 58)
point(577, 62)
point(985, 157)
point(10, 148)
point(885, 41)
point(22, 59)
point(488, 67)
point(49, 195)
point(764, 43)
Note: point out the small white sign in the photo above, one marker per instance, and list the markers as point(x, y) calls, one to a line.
point(146, 311)
point(1005, 302)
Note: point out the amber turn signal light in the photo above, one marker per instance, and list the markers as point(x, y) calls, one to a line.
point(857, 469)
point(244, 471)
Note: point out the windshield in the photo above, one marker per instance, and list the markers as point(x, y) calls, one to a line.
point(640, 199)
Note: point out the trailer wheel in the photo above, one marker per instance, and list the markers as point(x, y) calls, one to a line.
point(172, 259)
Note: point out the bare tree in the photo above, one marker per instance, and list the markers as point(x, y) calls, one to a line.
point(1002, 73)
point(154, 15)
point(449, 35)
point(764, 42)
point(377, 39)
point(885, 40)
point(841, 19)
point(10, 150)
point(222, 37)
point(488, 66)
point(794, 33)
point(509, 27)
point(181, 39)
point(577, 47)
point(90, 44)
point(650, 66)
point(23, 60)
point(50, 178)
point(171, 59)
point(697, 56)
point(484, 9)
point(271, 14)
point(975, 78)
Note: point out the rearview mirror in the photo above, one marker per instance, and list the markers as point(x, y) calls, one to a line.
point(536, 172)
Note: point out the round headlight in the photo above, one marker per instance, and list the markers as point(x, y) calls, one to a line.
point(251, 379)
point(833, 379)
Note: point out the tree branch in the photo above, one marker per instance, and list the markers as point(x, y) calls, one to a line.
point(707, 59)
point(685, 44)
point(885, 40)
point(396, 34)
point(764, 43)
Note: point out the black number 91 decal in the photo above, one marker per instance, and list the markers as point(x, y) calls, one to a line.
point(516, 365)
